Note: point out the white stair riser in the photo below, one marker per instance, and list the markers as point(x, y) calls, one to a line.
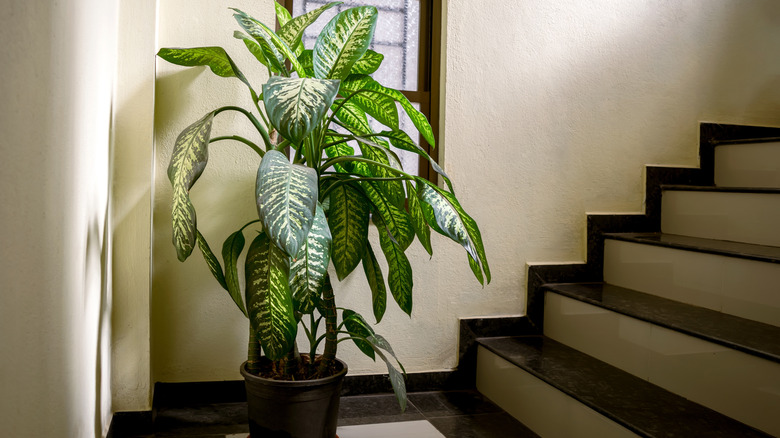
point(748, 165)
point(734, 383)
point(741, 287)
point(541, 407)
point(739, 217)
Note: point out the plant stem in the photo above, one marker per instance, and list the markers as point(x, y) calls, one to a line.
point(254, 147)
point(331, 341)
point(263, 132)
point(253, 356)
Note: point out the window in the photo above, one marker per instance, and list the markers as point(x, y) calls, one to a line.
point(408, 35)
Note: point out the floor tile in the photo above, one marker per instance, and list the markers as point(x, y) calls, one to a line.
point(449, 403)
point(369, 409)
point(406, 429)
point(482, 426)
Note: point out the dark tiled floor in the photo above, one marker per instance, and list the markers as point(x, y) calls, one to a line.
point(456, 414)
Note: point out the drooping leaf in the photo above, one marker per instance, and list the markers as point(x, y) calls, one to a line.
point(396, 377)
point(265, 36)
point(364, 82)
point(419, 224)
point(376, 281)
point(343, 41)
point(261, 50)
point(295, 106)
point(268, 297)
point(211, 260)
point(443, 210)
point(348, 222)
point(231, 249)
point(292, 30)
point(396, 220)
point(282, 14)
point(476, 269)
point(401, 140)
point(189, 158)
point(392, 189)
point(353, 117)
point(399, 276)
point(339, 148)
point(358, 328)
point(308, 269)
point(214, 57)
point(286, 200)
point(379, 106)
point(368, 63)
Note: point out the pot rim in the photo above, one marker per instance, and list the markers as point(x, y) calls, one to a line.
point(293, 383)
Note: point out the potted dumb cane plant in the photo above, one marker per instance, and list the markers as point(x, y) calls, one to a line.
point(323, 175)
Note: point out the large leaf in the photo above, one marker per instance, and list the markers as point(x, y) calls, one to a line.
point(399, 276)
point(268, 297)
point(348, 222)
point(262, 51)
point(445, 215)
point(393, 190)
point(231, 249)
point(419, 223)
point(401, 140)
point(214, 57)
point(189, 158)
point(396, 377)
point(292, 30)
point(368, 63)
point(376, 281)
point(396, 220)
point(308, 269)
point(358, 328)
point(286, 199)
point(356, 83)
point(295, 106)
point(282, 14)
point(265, 36)
point(378, 106)
point(343, 41)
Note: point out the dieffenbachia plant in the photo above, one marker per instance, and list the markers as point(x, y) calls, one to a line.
point(324, 173)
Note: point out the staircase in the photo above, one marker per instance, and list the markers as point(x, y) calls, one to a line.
point(671, 330)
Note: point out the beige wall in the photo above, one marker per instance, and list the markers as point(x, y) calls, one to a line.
point(552, 110)
point(57, 82)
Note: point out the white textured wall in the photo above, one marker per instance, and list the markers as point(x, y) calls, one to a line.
point(57, 84)
point(552, 110)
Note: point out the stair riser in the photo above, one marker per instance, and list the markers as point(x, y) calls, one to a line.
point(739, 217)
point(541, 407)
point(741, 287)
point(748, 165)
point(737, 384)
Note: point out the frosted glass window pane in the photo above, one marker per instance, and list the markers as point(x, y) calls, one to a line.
point(397, 36)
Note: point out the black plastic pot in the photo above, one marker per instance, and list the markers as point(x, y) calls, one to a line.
point(293, 409)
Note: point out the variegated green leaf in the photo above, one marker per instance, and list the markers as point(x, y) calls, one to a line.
point(376, 281)
point(378, 106)
point(214, 57)
point(352, 117)
point(348, 222)
point(211, 260)
point(371, 149)
point(364, 82)
point(419, 224)
point(292, 30)
point(368, 63)
point(295, 106)
point(231, 249)
point(358, 328)
point(286, 199)
point(476, 269)
point(308, 269)
point(261, 51)
point(443, 209)
point(401, 140)
point(268, 297)
point(189, 158)
point(343, 41)
point(396, 377)
point(338, 148)
point(396, 220)
point(282, 14)
point(399, 276)
point(306, 58)
point(264, 35)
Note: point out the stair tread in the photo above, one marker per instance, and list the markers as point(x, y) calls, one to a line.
point(720, 189)
point(638, 405)
point(749, 251)
point(752, 337)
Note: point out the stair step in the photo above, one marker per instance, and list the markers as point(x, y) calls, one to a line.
point(730, 277)
point(748, 215)
point(635, 404)
point(748, 165)
point(751, 337)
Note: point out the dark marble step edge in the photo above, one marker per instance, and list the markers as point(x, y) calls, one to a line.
point(751, 337)
point(748, 141)
point(718, 189)
point(762, 253)
point(634, 403)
